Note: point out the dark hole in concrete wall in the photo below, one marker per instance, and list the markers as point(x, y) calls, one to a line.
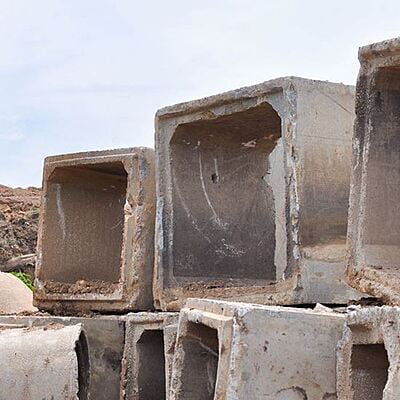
point(224, 214)
point(200, 366)
point(381, 230)
point(151, 365)
point(369, 365)
point(84, 222)
point(82, 353)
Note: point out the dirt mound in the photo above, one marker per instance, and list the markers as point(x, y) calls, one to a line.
point(19, 217)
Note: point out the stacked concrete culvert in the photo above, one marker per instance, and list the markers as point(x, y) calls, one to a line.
point(374, 218)
point(96, 233)
point(229, 350)
point(252, 195)
point(252, 214)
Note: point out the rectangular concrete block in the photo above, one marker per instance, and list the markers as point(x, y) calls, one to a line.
point(368, 355)
point(96, 232)
point(241, 351)
point(374, 215)
point(105, 338)
point(150, 342)
point(252, 195)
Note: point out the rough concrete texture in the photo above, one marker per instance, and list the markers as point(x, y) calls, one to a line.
point(43, 363)
point(148, 355)
point(170, 333)
point(105, 336)
point(245, 351)
point(374, 215)
point(252, 195)
point(15, 296)
point(96, 232)
point(368, 356)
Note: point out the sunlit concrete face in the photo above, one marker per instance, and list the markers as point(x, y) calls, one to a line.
point(105, 347)
point(58, 370)
point(95, 248)
point(252, 195)
point(374, 220)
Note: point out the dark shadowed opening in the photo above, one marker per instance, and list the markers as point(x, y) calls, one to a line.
point(151, 365)
point(224, 183)
point(200, 367)
point(381, 235)
point(369, 366)
point(82, 353)
point(83, 223)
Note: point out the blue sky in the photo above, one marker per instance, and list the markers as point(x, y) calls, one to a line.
point(83, 75)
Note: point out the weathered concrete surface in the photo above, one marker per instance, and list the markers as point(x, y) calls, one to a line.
point(241, 351)
point(105, 336)
point(170, 333)
point(252, 195)
point(147, 357)
point(368, 356)
point(96, 232)
point(374, 215)
point(15, 296)
point(44, 363)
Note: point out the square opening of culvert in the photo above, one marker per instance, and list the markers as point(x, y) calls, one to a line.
point(380, 239)
point(84, 223)
point(369, 371)
point(150, 365)
point(200, 365)
point(228, 176)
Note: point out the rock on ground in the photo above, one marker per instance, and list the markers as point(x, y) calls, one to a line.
point(15, 296)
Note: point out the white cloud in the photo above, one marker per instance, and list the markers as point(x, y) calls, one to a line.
point(84, 75)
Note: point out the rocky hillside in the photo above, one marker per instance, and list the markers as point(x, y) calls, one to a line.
point(19, 215)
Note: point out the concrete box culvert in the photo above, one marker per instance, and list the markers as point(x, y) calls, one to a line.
point(368, 355)
point(252, 195)
point(149, 347)
point(244, 351)
point(47, 363)
point(96, 232)
point(105, 338)
point(374, 215)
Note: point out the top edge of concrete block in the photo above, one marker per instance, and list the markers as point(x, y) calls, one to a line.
point(97, 154)
point(62, 318)
point(370, 315)
point(150, 317)
point(385, 48)
point(267, 87)
point(229, 306)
